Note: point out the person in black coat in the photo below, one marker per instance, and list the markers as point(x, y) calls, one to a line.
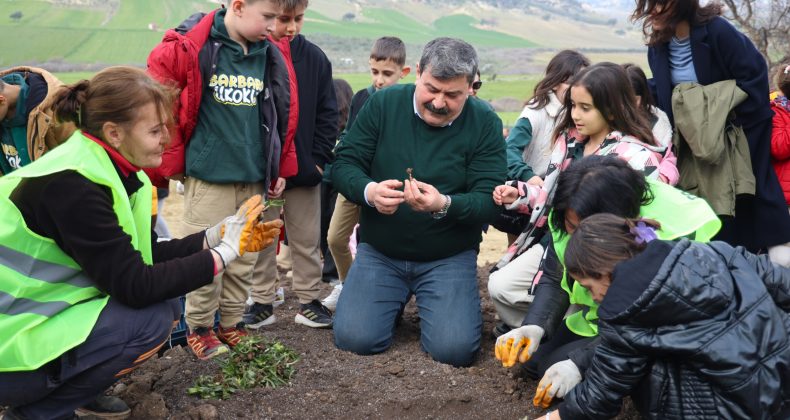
point(690, 43)
point(689, 330)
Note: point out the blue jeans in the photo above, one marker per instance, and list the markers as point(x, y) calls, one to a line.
point(378, 287)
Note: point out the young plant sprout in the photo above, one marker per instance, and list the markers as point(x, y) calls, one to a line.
point(277, 202)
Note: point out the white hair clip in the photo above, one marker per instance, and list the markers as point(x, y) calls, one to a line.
point(787, 70)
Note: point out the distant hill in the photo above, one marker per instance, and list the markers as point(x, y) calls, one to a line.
point(511, 35)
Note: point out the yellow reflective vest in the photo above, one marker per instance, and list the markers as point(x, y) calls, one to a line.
point(47, 303)
point(680, 214)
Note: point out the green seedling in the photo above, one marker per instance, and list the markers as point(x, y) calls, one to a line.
point(253, 363)
point(276, 202)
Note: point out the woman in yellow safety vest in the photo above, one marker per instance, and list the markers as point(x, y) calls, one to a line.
point(595, 184)
point(86, 292)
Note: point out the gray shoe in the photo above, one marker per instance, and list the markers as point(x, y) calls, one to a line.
point(105, 407)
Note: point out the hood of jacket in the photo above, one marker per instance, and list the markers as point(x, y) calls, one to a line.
point(692, 284)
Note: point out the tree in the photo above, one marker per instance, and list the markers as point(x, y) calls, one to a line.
point(16, 16)
point(767, 24)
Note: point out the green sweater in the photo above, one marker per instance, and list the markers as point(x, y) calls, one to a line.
point(465, 160)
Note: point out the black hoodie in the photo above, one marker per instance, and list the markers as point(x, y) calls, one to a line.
point(317, 129)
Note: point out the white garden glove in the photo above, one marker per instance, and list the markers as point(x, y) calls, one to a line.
point(214, 233)
point(518, 344)
point(238, 230)
point(560, 378)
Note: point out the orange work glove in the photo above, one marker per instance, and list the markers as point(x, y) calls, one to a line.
point(518, 345)
point(237, 230)
point(264, 234)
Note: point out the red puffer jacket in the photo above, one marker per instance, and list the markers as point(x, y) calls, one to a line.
point(176, 62)
point(780, 147)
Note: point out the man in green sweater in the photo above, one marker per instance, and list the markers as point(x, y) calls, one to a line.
point(422, 161)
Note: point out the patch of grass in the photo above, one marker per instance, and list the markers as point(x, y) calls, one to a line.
point(74, 77)
point(376, 22)
point(253, 363)
point(512, 86)
point(508, 118)
point(463, 26)
point(362, 80)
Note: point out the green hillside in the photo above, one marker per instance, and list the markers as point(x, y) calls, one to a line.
point(379, 22)
point(82, 35)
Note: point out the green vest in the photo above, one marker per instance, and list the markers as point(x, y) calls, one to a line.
point(47, 304)
point(681, 214)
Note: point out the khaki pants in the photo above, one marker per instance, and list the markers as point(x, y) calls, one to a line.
point(509, 286)
point(205, 205)
point(344, 218)
point(303, 226)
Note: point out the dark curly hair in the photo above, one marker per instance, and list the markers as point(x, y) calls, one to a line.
point(599, 184)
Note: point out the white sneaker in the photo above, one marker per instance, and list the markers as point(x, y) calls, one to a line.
point(331, 300)
point(279, 298)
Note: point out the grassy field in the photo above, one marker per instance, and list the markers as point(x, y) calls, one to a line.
point(83, 35)
point(378, 22)
point(46, 32)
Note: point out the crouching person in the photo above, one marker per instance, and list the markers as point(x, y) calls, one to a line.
point(421, 160)
point(86, 292)
point(689, 330)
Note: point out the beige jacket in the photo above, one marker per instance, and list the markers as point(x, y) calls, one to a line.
point(44, 132)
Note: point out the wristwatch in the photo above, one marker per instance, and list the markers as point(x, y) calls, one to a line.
point(443, 211)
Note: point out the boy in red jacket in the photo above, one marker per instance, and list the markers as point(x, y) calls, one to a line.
point(232, 111)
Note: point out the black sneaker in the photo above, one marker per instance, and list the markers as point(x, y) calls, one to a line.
point(501, 328)
point(314, 315)
point(105, 407)
point(259, 315)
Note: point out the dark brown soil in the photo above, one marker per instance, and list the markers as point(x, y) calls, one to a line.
point(403, 382)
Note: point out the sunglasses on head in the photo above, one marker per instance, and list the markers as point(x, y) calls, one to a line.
point(476, 85)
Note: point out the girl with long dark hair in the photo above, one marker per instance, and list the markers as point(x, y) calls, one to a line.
point(600, 117)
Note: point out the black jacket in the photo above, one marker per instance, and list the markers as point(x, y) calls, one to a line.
point(551, 303)
point(317, 130)
point(705, 335)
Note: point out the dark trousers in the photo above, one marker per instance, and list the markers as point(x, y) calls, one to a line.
point(555, 350)
point(121, 340)
point(328, 198)
point(760, 221)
